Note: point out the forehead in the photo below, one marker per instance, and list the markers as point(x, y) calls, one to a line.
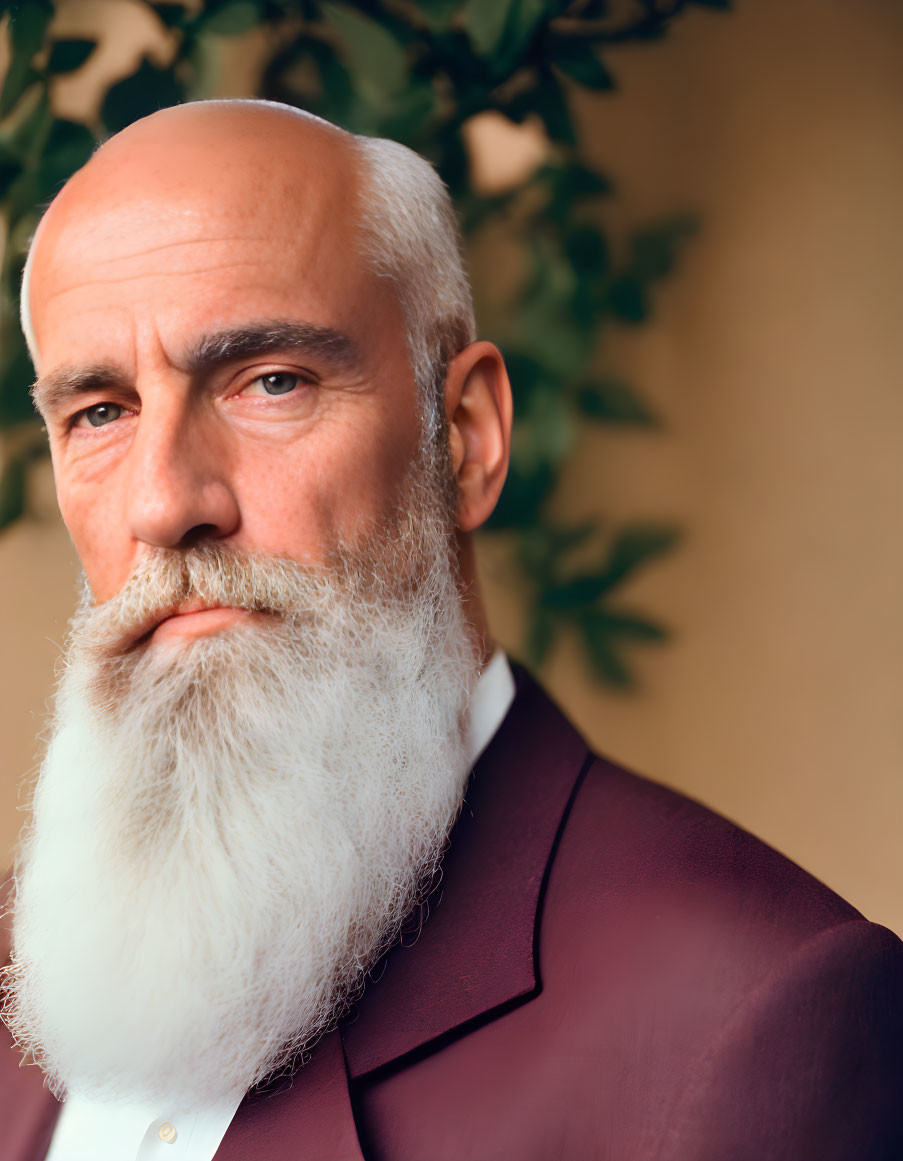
point(181, 237)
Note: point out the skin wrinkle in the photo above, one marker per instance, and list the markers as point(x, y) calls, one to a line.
point(206, 355)
point(167, 273)
point(228, 239)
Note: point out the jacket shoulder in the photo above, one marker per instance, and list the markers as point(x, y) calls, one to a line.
point(652, 890)
point(742, 1008)
point(629, 839)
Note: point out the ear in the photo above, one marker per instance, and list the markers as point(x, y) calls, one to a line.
point(478, 409)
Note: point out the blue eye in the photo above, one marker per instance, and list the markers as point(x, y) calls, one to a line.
point(279, 382)
point(102, 413)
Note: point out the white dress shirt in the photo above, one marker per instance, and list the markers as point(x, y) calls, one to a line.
point(92, 1130)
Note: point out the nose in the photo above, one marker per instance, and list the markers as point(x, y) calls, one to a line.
point(179, 490)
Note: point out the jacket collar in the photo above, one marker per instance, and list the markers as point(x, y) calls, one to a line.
point(474, 957)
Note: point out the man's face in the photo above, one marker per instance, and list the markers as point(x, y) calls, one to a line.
point(216, 360)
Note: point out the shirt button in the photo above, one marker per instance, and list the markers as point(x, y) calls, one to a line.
point(167, 1132)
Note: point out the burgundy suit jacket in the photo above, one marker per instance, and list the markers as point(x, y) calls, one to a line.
point(606, 971)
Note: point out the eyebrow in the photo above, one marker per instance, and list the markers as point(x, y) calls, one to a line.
point(53, 391)
point(227, 346)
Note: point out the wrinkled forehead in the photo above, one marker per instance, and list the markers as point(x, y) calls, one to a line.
point(201, 199)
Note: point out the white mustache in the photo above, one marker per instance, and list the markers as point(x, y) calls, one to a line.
point(171, 581)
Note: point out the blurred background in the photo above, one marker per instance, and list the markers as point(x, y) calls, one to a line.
point(682, 221)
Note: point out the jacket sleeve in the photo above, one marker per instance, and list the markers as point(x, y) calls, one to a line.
point(810, 1067)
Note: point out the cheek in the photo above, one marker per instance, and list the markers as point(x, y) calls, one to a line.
point(93, 502)
point(100, 538)
point(339, 484)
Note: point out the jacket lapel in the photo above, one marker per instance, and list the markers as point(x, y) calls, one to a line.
point(307, 1115)
point(474, 957)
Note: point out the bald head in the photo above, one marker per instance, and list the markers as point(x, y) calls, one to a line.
point(238, 157)
point(261, 161)
point(165, 176)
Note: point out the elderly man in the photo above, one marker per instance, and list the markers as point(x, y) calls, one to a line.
point(273, 433)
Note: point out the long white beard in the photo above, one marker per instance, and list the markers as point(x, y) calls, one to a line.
point(227, 833)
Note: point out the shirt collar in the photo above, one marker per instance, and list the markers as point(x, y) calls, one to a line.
point(489, 704)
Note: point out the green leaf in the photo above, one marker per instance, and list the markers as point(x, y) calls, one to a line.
point(22, 209)
point(524, 20)
point(547, 99)
point(602, 651)
point(68, 147)
point(12, 491)
point(411, 116)
point(475, 209)
point(540, 637)
point(374, 55)
point(522, 497)
point(68, 55)
point(438, 13)
point(563, 539)
point(451, 158)
point(579, 60)
point(545, 433)
point(582, 182)
point(31, 132)
point(335, 98)
point(653, 254)
point(502, 30)
point(627, 299)
point(28, 24)
point(541, 549)
point(27, 27)
point(145, 91)
point(20, 77)
point(603, 635)
point(552, 107)
point(635, 547)
point(654, 249)
point(612, 401)
point(559, 335)
point(527, 374)
point(16, 374)
point(578, 593)
point(10, 168)
point(587, 249)
point(233, 18)
point(633, 627)
point(170, 15)
point(486, 20)
point(570, 186)
point(551, 280)
point(631, 549)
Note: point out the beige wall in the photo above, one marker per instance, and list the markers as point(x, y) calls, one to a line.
point(776, 362)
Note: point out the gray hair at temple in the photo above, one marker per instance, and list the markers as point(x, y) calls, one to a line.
point(411, 237)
